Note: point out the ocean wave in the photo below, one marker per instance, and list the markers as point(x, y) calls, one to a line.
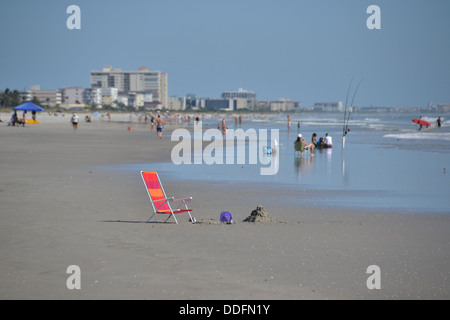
point(432, 136)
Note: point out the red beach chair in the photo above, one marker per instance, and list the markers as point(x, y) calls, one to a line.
point(160, 202)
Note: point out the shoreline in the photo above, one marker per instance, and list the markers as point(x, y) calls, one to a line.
point(57, 208)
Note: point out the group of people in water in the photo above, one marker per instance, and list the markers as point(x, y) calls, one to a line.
point(301, 145)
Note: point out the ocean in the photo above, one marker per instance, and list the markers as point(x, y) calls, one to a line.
point(386, 165)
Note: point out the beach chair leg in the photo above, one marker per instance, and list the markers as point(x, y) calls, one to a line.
point(190, 216)
point(150, 218)
point(172, 215)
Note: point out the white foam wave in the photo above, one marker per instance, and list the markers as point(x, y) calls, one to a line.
point(421, 136)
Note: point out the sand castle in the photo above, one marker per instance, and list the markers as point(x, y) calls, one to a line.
point(260, 215)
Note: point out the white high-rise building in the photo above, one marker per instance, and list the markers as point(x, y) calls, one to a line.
point(141, 81)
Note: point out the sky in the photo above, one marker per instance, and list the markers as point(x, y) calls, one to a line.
point(306, 51)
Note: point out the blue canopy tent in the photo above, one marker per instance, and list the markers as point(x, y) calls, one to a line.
point(28, 106)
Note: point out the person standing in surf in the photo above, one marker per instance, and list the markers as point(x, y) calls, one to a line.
point(328, 141)
point(224, 127)
point(439, 123)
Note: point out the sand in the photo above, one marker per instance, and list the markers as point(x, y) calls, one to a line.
point(260, 215)
point(61, 204)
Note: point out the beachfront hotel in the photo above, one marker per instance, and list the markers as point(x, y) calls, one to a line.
point(46, 97)
point(241, 93)
point(142, 81)
point(329, 106)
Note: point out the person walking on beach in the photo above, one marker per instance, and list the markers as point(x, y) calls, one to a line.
point(159, 126)
point(289, 122)
point(152, 122)
point(75, 120)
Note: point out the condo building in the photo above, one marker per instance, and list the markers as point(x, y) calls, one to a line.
point(46, 97)
point(142, 81)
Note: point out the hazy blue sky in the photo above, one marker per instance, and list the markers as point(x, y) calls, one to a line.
point(302, 50)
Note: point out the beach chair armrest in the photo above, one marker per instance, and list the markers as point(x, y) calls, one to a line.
point(183, 199)
point(168, 199)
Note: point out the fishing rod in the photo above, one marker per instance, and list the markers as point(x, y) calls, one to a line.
point(345, 110)
point(353, 99)
point(346, 129)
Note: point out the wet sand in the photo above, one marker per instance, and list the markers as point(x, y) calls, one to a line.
point(60, 205)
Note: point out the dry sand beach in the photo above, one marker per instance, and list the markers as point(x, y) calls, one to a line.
point(61, 205)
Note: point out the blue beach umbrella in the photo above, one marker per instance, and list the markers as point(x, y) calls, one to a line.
point(28, 106)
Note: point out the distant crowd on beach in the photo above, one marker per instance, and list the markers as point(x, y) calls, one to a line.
point(158, 119)
point(16, 120)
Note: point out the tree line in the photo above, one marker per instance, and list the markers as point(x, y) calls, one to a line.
point(12, 98)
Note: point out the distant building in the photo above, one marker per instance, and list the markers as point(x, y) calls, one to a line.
point(45, 97)
point(76, 95)
point(230, 101)
point(142, 81)
point(328, 106)
point(175, 103)
point(241, 93)
point(283, 105)
point(224, 104)
point(443, 107)
point(218, 104)
point(137, 99)
point(263, 106)
point(105, 96)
